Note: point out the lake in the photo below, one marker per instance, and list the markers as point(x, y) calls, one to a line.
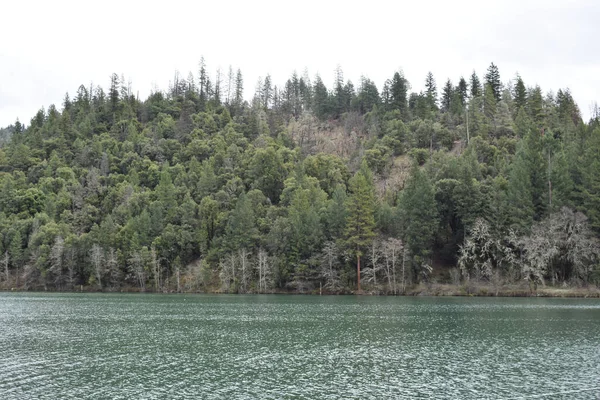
point(147, 346)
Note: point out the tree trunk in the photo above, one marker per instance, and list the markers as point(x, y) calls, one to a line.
point(358, 269)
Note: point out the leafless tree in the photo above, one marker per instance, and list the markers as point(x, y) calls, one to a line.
point(57, 261)
point(155, 265)
point(112, 266)
point(137, 270)
point(562, 246)
point(482, 252)
point(245, 270)
point(227, 274)
point(329, 267)
point(393, 250)
point(371, 271)
point(97, 260)
point(265, 270)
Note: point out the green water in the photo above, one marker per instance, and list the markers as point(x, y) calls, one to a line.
point(129, 346)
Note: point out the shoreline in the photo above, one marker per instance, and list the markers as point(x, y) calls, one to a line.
point(419, 290)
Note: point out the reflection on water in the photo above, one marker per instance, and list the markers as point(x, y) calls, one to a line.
point(75, 346)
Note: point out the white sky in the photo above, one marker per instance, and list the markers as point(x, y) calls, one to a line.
point(50, 47)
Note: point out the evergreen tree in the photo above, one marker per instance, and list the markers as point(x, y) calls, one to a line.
point(241, 226)
point(321, 99)
point(475, 85)
point(492, 79)
point(419, 216)
point(361, 219)
point(368, 96)
point(591, 180)
point(447, 93)
point(431, 91)
point(398, 90)
point(535, 107)
point(520, 94)
point(520, 197)
point(462, 89)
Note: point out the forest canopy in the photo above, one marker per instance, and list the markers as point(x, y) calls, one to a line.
point(196, 188)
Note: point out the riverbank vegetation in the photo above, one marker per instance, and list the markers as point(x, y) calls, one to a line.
point(303, 188)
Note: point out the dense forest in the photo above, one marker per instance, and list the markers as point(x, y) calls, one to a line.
point(302, 187)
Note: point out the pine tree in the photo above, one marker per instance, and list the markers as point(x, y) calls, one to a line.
point(492, 79)
point(447, 96)
point(535, 107)
point(203, 84)
point(519, 192)
point(520, 95)
point(398, 90)
point(360, 222)
point(489, 103)
point(591, 180)
point(321, 99)
point(241, 229)
point(419, 216)
point(475, 85)
point(462, 89)
point(431, 91)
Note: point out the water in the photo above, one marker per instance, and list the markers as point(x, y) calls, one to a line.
point(129, 346)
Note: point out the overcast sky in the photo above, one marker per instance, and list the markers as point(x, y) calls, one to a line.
point(50, 47)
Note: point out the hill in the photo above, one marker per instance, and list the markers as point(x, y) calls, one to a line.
point(301, 188)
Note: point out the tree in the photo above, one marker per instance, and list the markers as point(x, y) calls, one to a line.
point(447, 96)
point(321, 99)
point(431, 91)
point(375, 266)
point(368, 96)
point(329, 264)
point(462, 90)
point(241, 227)
point(418, 213)
point(361, 220)
point(15, 251)
point(520, 95)
point(398, 92)
point(394, 253)
point(520, 197)
point(204, 83)
point(492, 79)
point(137, 267)
point(267, 92)
point(97, 261)
point(264, 267)
point(475, 85)
point(57, 261)
point(561, 246)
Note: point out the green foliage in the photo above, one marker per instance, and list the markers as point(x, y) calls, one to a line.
point(114, 191)
point(418, 211)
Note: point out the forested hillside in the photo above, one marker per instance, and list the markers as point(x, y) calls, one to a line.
point(198, 189)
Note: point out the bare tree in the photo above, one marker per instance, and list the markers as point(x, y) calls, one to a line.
point(69, 259)
point(370, 272)
point(137, 270)
point(227, 273)
point(393, 249)
point(97, 260)
point(482, 252)
point(245, 270)
point(112, 266)
point(561, 245)
point(57, 261)
point(329, 270)
point(155, 264)
point(265, 270)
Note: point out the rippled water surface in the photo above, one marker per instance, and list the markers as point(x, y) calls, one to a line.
point(129, 346)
